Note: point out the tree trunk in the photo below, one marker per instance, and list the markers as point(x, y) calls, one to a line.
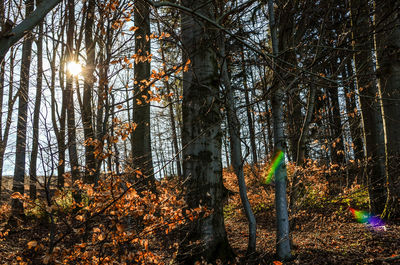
point(282, 219)
point(87, 115)
point(370, 106)
point(249, 113)
point(25, 26)
point(69, 95)
point(337, 154)
point(58, 130)
point(11, 100)
point(236, 150)
point(141, 142)
point(287, 44)
point(2, 74)
point(353, 115)
point(387, 46)
point(201, 137)
point(35, 145)
point(23, 93)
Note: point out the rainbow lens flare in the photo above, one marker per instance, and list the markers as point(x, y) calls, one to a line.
point(276, 161)
point(371, 221)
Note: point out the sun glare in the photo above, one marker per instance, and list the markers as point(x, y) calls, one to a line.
point(74, 68)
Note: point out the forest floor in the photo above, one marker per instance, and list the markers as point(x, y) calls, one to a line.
point(325, 231)
point(319, 238)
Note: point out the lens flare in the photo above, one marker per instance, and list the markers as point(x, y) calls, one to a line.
point(368, 219)
point(276, 161)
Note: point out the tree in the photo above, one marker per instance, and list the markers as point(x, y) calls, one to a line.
point(10, 106)
point(248, 111)
point(370, 105)
point(36, 113)
point(87, 115)
point(282, 218)
point(23, 94)
point(387, 46)
point(235, 145)
point(201, 135)
point(141, 142)
point(9, 39)
point(69, 93)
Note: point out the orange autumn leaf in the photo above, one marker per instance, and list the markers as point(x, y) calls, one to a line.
point(32, 244)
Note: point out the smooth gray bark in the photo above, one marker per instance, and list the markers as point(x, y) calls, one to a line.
point(201, 137)
point(282, 219)
point(25, 26)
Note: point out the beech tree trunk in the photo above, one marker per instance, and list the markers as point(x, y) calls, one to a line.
point(387, 46)
point(141, 142)
point(201, 137)
point(282, 219)
point(23, 93)
point(370, 106)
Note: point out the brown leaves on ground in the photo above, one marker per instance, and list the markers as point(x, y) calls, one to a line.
point(325, 232)
point(113, 224)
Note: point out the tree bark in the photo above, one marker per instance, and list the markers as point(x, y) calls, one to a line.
point(25, 26)
point(370, 106)
point(11, 100)
point(87, 115)
point(23, 93)
point(282, 219)
point(35, 141)
point(387, 46)
point(201, 137)
point(141, 142)
point(69, 95)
